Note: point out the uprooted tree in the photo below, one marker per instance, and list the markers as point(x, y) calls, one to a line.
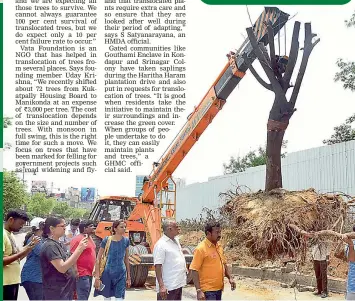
point(279, 72)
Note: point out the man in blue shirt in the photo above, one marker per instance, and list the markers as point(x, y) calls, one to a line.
point(350, 253)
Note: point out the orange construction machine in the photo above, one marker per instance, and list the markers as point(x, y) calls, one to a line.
point(145, 213)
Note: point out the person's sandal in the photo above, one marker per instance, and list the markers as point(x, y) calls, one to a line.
point(324, 295)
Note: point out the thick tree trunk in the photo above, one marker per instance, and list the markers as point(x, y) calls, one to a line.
point(279, 76)
point(273, 162)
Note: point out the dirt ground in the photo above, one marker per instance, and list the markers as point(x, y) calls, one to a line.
point(253, 289)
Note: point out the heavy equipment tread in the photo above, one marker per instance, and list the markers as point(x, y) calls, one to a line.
point(139, 273)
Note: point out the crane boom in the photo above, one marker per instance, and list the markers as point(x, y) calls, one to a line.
point(210, 105)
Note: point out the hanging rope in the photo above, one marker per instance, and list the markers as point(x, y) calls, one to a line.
point(249, 16)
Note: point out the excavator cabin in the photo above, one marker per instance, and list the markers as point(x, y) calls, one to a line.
point(111, 208)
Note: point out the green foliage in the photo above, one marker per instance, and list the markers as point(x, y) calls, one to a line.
point(77, 213)
point(39, 205)
point(14, 191)
point(253, 158)
point(7, 122)
point(86, 214)
point(63, 209)
point(351, 22)
point(346, 75)
point(342, 133)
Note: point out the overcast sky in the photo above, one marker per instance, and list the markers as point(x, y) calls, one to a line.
point(241, 126)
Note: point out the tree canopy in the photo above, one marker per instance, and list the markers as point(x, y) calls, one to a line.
point(342, 133)
point(63, 209)
point(7, 122)
point(39, 205)
point(251, 159)
point(346, 75)
point(14, 191)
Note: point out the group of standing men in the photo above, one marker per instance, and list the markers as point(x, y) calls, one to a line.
point(208, 267)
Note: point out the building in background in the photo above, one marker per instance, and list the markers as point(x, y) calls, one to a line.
point(139, 184)
point(72, 196)
point(88, 194)
point(39, 186)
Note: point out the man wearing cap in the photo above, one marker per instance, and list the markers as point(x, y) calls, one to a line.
point(31, 275)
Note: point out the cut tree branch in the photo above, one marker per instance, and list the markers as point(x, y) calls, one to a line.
point(270, 34)
point(308, 47)
point(292, 58)
point(265, 52)
point(350, 235)
point(259, 54)
point(255, 74)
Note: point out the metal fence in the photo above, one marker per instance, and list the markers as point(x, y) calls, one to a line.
point(329, 168)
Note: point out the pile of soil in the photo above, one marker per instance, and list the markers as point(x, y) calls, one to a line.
point(256, 228)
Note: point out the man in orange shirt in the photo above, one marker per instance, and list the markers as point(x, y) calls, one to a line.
point(209, 265)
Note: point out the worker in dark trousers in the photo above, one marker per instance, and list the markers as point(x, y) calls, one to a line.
point(320, 255)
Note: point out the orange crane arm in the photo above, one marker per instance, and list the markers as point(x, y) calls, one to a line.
point(210, 104)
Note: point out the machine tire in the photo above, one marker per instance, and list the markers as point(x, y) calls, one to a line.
point(189, 250)
point(97, 240)
point(139, 273)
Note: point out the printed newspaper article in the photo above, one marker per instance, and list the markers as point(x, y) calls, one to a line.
point(155, 149)
point(137, 77)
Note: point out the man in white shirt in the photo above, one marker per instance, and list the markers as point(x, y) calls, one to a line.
point(70, 232)
point(320, 254)
point(169, 262)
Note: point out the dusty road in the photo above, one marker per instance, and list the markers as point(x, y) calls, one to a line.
point(247, 289)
